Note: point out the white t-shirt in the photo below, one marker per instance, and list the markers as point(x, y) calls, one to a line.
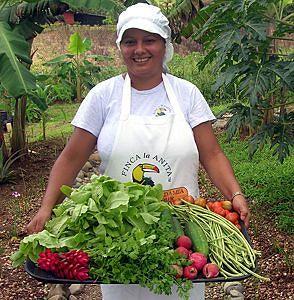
point(100, 111)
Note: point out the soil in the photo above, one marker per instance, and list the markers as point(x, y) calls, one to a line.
point(32, 174)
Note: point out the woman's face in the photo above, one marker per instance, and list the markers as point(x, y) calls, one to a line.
point(142, 52)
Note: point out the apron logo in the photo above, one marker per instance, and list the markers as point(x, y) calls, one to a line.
point(138, 174)
point(140, 164)
point(162, 111)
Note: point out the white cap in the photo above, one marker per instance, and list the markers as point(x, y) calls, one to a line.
point(149, 18)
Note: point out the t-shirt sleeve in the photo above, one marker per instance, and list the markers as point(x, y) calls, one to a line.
point(90, 115)
point(200, 111)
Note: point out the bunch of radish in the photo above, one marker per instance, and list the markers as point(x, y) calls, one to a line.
point(194, 263)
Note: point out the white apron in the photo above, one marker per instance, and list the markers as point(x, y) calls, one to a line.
point(151, 150)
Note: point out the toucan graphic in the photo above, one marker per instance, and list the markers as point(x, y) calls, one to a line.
point(139, 172)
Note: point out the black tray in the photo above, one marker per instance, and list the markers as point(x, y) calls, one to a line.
point(41, 275)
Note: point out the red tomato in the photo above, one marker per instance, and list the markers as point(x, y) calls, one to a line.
point(210, 205)
point(227, 212)
point(232, 217)
point(220, 211)
point(216, 204)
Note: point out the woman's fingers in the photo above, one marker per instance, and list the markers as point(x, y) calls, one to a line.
point(244, 215)
point(241, 207)
point(38, 222)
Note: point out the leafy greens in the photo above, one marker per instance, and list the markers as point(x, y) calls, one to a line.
point(122, 227)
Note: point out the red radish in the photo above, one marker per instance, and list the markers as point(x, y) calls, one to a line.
point(183, 251)
point(179, 270)
point(198, 260)
point(210, 270)
point(190, 272)
point(184, 241)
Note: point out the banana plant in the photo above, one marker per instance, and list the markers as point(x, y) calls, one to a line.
point(19, 24)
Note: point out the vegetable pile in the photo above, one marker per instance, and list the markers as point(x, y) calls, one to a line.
point(122, 229)
point(115, 232)
point(220, 239)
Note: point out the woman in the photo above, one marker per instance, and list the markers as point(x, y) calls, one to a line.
point(150, 127)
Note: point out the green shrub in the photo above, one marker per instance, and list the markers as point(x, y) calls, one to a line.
point(264, 180)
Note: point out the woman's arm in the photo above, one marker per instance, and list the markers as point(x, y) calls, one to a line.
point(219, 168)
point(64, 171)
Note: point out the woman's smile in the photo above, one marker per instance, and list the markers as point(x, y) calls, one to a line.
point(143, 54)
point(141, 59)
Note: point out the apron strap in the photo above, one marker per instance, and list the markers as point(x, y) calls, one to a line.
point(126, 98)
point(172, 97)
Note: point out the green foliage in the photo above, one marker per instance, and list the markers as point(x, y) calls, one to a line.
point(180, 14)
point(121, 226)
point(264, 180)
point(186, 67)
point(112, 6)
point(57, 123)
point(18, 24)
point(42, 95)
point(220, 109)
point(76, 71)
point(6, 171)
point(13, 49)
point(242, 38)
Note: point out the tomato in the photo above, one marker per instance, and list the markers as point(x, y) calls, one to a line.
point(177, 202)
point(201, 202)
point(220, 211)
point(210, 205)
point(189, 199)
point(232, 217)
point(216, 204)
point(227, 205)
point(227, 212)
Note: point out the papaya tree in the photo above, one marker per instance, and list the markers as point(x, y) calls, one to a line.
point(244, 38)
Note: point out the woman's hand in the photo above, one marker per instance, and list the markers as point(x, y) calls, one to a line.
point(38, 222)
point(240, 205)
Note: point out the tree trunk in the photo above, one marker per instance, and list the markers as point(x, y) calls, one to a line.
point(2, 144)
point(18, 141)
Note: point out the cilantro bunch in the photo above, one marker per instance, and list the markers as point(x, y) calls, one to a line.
point(140, 257)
